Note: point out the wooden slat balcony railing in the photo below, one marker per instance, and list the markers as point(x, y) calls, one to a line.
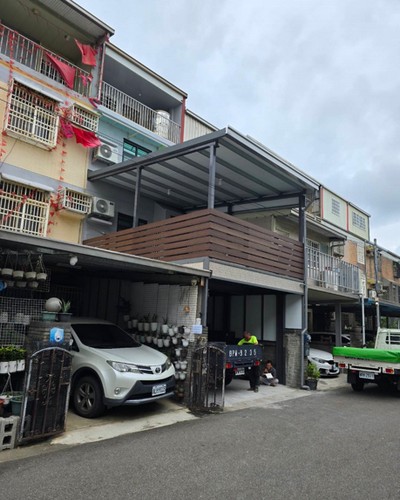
point(209, 233)
point(26, 52)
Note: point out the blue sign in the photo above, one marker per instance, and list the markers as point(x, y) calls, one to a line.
point(56, 334)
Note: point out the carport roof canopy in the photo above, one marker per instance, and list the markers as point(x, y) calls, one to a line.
point(223, 169)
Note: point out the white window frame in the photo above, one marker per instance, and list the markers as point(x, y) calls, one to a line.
point(32, 116)
point(23, 209)
point(84, 118)
point(74, 201)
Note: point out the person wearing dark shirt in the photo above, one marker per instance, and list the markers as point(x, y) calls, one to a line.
point(268, 377)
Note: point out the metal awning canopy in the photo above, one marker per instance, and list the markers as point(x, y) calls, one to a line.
point(223, 169)
point(96, 260)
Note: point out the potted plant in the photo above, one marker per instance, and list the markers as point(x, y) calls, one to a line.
point(164, 326)
point(20, 353)
point(312, 376)
point(64, 314)
point(154, 324)
point(146, 322)
point(134, 321)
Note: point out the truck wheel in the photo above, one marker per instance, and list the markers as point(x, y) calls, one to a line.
point(87, 397)
point(357, 386)
point(228, 377)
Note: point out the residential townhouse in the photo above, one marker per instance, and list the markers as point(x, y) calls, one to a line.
point(164, 184)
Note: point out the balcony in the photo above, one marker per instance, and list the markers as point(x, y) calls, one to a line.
point(212, 234)
point(30, 54)
point(130, 108)
point(331, 273)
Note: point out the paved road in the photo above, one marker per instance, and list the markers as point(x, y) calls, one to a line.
point(328, 445)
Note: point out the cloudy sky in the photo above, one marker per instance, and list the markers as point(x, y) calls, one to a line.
point(317, 81)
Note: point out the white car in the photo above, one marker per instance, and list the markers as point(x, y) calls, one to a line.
point(324, 362)
point(109, 368)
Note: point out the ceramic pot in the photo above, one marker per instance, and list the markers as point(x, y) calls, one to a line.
point(30, 275)
point(185, 342)
point(7, 272)
point(41, 276)
point(166, 342)
point(135, 323)
point(164, 329)
point(18, 274)
point(53, 304)
point(140, 327)
point(153, 326)
point(160, 342)
point(146, 327)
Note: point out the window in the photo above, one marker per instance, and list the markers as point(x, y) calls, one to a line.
point(132, 150)
point(335, 207)
point(23, 209)
point(126, 222)
point(32, 116)
point(84, 118)
point(75, 201)
point(358, 221)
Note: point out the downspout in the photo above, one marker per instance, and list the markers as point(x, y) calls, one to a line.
point(183, 118)
point(137, 196)
point(304, 319)
point(378, 315)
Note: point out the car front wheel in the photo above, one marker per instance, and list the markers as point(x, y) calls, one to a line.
point(88, 397)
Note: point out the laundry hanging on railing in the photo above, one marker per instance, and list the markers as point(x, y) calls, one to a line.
point(88, 53)
point(66, 71)
point(66, 128)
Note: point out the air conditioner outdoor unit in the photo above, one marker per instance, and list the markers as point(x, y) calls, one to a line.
point(106, 152)
point(102, 209)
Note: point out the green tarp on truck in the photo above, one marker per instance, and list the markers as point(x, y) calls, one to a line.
point(370, 354)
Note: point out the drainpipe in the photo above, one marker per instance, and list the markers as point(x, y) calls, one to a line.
point(304, 319)
point(183, 117)
point(378, 316)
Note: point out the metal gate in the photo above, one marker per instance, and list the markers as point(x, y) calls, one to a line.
point(207, 380)
point(45, 402)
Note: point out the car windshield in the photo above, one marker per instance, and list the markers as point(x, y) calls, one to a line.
point(103, 336)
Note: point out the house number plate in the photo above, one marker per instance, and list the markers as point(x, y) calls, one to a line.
point(159, 389)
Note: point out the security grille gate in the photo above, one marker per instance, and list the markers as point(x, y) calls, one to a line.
point(45, 403)
point(207, 381)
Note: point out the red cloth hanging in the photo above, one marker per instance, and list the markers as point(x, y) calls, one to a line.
point(88, 53)
point(87, 138)
point(66, 71)
point(66, 128)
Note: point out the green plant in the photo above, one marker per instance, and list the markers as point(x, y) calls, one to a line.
point(312, 371)
point(154, 319)
point(12, 353)
point(165, 320)
point(65, 305)
point(146, 318)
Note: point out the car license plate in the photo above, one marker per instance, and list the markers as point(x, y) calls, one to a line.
point(240, 371)
point(367, 375)
point(159, 389)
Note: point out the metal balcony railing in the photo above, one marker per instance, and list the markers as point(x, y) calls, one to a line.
point(130, 108)
point(24, 51)
point(332, 273)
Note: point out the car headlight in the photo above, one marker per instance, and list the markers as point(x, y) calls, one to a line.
point(168, 364)
point(123, 367)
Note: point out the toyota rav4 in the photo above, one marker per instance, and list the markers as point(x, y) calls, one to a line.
point(109, 368)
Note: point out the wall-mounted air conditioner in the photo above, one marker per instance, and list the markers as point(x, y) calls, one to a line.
point(102, 209)
point(106, 152)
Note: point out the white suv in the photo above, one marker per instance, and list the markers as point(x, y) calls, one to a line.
point(109, 368)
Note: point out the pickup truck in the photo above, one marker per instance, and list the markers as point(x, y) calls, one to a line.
point(240, 357)
point(379, 365)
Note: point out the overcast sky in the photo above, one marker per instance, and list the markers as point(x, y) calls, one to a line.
point(316, 81)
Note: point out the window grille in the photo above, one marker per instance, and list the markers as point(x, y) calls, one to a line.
point(23, 209)
point(32, 116)
point(84, 118)
point(74, 201)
